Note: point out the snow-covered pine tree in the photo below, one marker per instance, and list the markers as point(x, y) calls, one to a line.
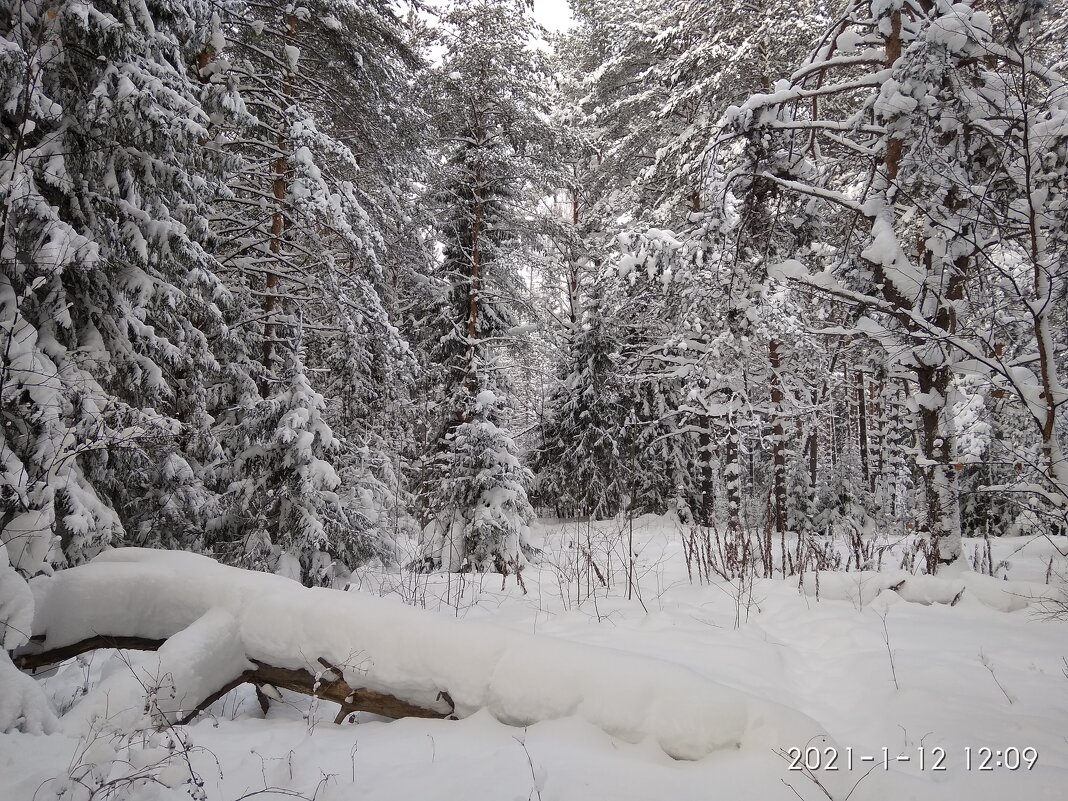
point(687, 61)
point(494, 132)
point(302, 249)
point(113, 315)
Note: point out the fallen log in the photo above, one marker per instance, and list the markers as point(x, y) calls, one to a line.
point(322, 685)
point(380, 655)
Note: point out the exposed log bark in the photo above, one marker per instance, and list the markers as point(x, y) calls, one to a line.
point(189, 717)
point(337, 690)
point(329, 685)
point(39, 659)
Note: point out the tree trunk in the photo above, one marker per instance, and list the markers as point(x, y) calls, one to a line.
point(475, 281)
point(279, 187)
point(704, 514)
point(778, 434)
point(938, 471)
point(732, 475)
point(862, 431)
point(933, 370)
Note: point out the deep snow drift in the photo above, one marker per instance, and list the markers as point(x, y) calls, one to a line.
point(598, 687)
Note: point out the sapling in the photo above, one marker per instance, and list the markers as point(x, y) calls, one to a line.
point(889, 650)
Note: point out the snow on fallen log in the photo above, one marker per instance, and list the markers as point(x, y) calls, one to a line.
point(411, 654)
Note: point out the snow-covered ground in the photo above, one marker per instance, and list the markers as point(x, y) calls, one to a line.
point(869, 671)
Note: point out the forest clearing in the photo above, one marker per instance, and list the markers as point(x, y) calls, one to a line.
point(529, 399)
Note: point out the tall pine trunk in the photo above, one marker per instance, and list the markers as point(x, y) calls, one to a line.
point(279, 188)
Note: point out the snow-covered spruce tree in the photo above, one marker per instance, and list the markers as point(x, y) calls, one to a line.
point(660, 447)
point(371, 378)
point(484, 487)
point(583, 461)
point(494, 132)
point(659, 442)
point(983, 423)
point(113, 315)
point(897, 488)
point(286, 488)
point(301, 246)
point(112, 329)
point(607, 56)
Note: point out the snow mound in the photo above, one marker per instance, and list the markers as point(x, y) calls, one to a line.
point(863, 587)
point(411, 653)
point(16, 605)
point(166, 685)
point(23, 707)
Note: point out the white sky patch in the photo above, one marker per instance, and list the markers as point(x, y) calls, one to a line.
point(553, 14)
